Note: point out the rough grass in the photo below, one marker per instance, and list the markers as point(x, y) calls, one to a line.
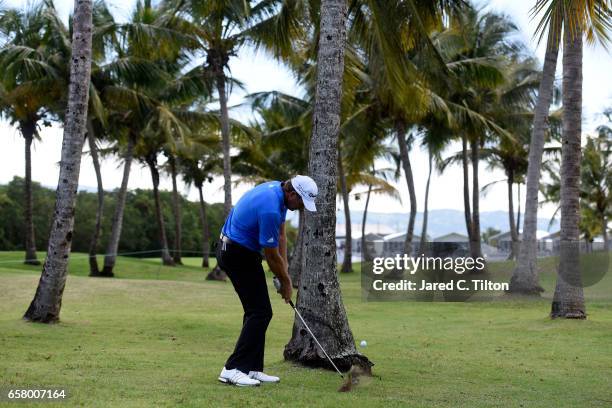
point(158, 336)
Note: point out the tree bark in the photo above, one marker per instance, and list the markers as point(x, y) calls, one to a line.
point(93, 246)
point(110, 257)
point(518, 210)
point(425, 208)
point(365, 256)
point(205, 232)
point(405, 159)
point(176, 211)
point(319, 298)
point(347, 262)
point(295, 263)
point(475, 248)
point(525, 279)
point(163, 241)
point(47, 302)
point(28, 129)
point(513, 231)
point(466, 188)
point(604, 229)
point(225, 143)
point(568, 300)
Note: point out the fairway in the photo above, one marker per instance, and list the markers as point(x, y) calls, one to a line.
point(158, 336)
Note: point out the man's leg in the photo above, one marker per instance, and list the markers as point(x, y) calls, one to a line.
point(248, 278)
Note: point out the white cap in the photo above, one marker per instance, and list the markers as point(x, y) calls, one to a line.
point(307, 189)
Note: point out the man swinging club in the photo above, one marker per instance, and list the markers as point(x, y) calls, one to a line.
point(258, 221)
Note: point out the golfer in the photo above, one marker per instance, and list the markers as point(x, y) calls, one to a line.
point(258, 221)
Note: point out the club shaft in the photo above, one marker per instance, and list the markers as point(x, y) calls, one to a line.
point(315, 339)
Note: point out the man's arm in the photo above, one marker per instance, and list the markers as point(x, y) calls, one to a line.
point(282, 243)
point(278, 266)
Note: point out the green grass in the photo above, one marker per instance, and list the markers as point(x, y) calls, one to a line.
point(159, 336)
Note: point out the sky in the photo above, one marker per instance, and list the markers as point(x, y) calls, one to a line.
point(261, 73)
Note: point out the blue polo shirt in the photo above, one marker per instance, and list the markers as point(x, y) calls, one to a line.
point(255, 220)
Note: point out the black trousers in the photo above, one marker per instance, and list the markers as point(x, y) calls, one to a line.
point(244, 269)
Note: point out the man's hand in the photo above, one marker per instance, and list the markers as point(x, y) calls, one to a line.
point(286, 289)
point(279, 269)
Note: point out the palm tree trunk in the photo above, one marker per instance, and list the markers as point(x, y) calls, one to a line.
point(176, 211)
point(513, 231)
point(47, 302)
point(604, 229)
point(295, 263)
point(568, 300)
point(163, 241)
point(525, 278)
point(405, 159)
point(518, 210)
point(28, 130)
point(347, 262)
point(205, 232)
point(466, 188)
point(425, 208)
point(319, 292)
point(225, 142)
point(93, 246)
point(476, 240)
point(110, 257)
point(365, 256)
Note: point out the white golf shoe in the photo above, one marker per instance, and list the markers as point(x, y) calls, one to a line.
point(263, 377)
point(237, 377)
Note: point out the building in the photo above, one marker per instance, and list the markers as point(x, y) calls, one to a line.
point(503, 241)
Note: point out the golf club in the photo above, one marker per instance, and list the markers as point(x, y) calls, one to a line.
point(277, 285)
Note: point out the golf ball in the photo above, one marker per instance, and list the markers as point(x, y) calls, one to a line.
point(363, 343)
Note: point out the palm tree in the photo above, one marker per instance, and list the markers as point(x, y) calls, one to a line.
point(319, 283)
point(149, 52)
point(221, 27)
point(476, 48)
point(171, 168)
point(197, 165)
point(568, 299)
point(46, 305)
point(592, 18)
point(32, 61)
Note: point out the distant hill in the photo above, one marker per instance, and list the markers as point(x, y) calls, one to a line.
point(440, 222)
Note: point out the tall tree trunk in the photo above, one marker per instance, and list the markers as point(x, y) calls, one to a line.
point(28, 129)
point(518, 210)
point(568, 300)
point(425, 207)
point(47, 302)
point(295, 263)
point(604, 229)
point(110, 257)
point(205, 231)
point(466, 187)
point(476, 239)
point(218, 60)
point(513, 231)
point(525, 279)
point(163, 241)
point(93, 245)
point(365, 255)
point(225, 143)
point(319, 297)
point(405, 159)
point(176, 211)
point(347, 262)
